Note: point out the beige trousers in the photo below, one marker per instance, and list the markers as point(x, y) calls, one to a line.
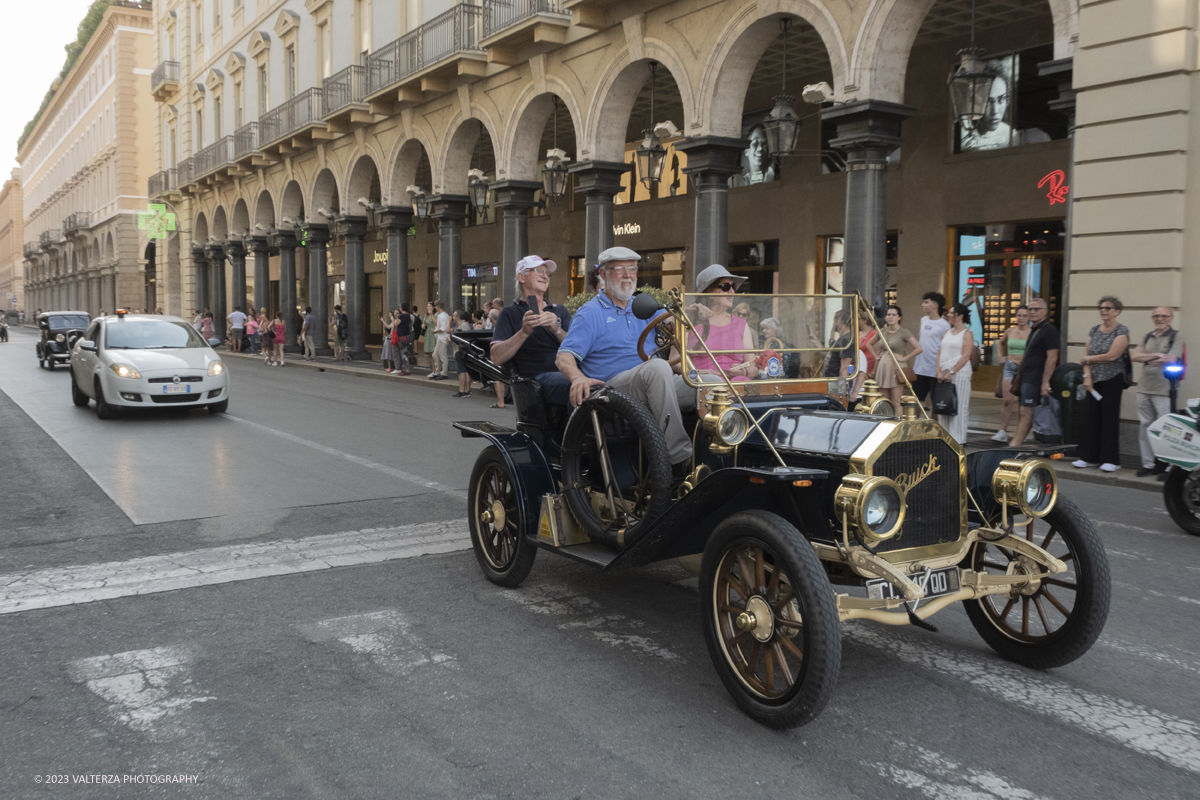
point(666, 395)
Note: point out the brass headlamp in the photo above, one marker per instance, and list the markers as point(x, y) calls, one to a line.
point(872, 505)
point(872, 401)
point(1029, 484)
point(725, 423)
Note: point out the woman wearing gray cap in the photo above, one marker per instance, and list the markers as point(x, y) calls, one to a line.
point(722, 330)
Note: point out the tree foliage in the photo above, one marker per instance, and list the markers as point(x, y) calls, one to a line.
point(83, 34)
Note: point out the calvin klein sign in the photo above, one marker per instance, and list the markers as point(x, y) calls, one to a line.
point(628, 227)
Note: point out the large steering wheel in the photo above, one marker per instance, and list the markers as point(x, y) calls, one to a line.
point(664, 339)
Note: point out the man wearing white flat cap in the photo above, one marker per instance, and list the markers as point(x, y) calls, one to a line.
point(601, 350)
point(529, 337)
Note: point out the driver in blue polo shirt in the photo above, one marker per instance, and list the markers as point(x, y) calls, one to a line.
point(601, 350)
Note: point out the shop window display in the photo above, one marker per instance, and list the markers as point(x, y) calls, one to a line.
point(480, 283)
point(831, 257)
point(759, 262)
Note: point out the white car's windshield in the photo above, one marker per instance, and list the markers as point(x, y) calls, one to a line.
point(150, 334)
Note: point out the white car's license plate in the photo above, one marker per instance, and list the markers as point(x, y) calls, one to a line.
point(177, 388)
point(941, 582)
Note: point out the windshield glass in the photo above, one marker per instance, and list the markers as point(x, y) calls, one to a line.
point(771, 337)
point(150, 334)
point(64, 322)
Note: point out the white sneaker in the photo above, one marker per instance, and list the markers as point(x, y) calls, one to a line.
point(1109, 467)
point(1001, 436)
point(1081, 464)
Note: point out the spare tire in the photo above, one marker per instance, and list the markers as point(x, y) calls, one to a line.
point(637, 451)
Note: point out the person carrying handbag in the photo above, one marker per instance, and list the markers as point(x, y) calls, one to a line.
point(954, 372)
point(1107, 373)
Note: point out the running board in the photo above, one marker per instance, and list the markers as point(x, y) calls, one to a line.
point(592, 554)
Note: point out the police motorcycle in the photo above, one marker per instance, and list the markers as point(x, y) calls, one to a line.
point(1175, 440)
point(804, 516)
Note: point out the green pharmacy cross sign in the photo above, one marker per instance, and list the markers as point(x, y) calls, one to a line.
point(156, 221)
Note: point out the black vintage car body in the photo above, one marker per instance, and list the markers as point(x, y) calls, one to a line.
point(804, 515)
point(59, 332)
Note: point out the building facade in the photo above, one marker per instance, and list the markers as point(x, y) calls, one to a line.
point(12, 259)
point(84, 169)
point(296, 139)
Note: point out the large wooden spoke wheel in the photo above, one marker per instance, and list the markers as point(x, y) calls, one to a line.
point(496, 521)
point(770, 619)
point(664, 340)
point(1053, 619)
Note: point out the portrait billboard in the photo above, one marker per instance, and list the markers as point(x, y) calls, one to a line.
point(994, 130)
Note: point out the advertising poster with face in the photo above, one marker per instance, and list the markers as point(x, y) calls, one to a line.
point(994, 130)
point(757, 164)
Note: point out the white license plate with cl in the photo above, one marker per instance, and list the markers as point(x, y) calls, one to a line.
point(177, 388)
point(940, 582)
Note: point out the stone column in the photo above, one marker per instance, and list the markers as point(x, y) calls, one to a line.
point(711, 160)
point(513, 201)
point(261, 247)
point(353, 229)
point(216, 265)
point(236, 251)
point(867, 130)
point(285, 242)
point(318, 284)
point(598, 181)
point(397, 220)
point(200, 266)
point(449, 210)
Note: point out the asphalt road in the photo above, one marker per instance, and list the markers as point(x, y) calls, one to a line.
point(281, 603)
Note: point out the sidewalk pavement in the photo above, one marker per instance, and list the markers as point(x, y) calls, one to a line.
point(365, 368)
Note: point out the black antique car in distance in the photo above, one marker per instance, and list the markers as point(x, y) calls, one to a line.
point(804, 515)
point(59, 332)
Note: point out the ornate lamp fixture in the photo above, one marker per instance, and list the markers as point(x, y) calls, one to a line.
point(651, 155)
point(420, 201)
point(971, 82)
point(782, 125)
point(554, 173)
point(477, 182)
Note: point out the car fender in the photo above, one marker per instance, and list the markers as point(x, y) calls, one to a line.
point(526, 463)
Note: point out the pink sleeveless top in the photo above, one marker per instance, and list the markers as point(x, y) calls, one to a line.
point(728, 337)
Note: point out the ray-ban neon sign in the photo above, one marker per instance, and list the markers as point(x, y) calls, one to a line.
point(1056, 187)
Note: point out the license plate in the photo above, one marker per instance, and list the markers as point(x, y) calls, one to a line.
point(177, 388)
point(941, 582)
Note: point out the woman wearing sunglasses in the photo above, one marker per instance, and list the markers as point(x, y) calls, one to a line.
point(722, 330)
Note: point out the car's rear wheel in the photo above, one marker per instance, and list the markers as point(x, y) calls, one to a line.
point(219, 408)
point(1057, 618)
point(497, 530)
point(769, 619)
point(77, 397)
point(103, 409)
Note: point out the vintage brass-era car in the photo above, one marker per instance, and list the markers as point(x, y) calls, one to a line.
point(806, 515)
point(60, 330)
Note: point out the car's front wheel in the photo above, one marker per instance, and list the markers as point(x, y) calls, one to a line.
point(77, 397)
point(103, 409)
point(770, 619)
point(1055, 619)
point(497, 530)
point(219, 408)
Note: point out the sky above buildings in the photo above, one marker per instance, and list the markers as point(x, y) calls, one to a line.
point(31, 54)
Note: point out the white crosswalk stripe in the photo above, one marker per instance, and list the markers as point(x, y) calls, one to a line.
point(385, 637)
point(48, 588)
point(940, 778)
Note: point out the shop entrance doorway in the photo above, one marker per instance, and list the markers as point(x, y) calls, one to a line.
point(480, 283)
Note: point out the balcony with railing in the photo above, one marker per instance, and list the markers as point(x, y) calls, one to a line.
point(217, 156)
point(164, 81)
point(518, 23)
point(446, 46)
point(31, 249)
point(78, 221)
point(162, 183)
point(184, 172)
point(49, 237)
point(295, 119)
point(345, 107)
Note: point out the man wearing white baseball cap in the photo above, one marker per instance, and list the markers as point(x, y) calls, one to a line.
point(601, 350)
point(529, 337)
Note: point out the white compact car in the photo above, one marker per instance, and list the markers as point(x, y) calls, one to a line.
point(144, 361)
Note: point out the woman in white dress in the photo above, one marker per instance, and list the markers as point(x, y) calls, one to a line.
point(954, 365)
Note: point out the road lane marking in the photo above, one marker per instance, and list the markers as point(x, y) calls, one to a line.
point(1154, 733)
point(1135, 528)
point(940, 778)
point(88, 583)
point(1165, 595)
point(143, 688)
point(399, 474)
point(384, 637)
point(1135, 649)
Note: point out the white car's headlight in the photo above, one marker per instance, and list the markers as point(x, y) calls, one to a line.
point(125, 371)
point(216, 368)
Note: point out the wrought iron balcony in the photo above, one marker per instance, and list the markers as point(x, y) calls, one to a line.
point(212, 158)
point(293, 116)
point(344, 89)
point(458, 30)
point(31, 249)
point(164, 80)
point(499, 15)
point(49, 237)
point(162, 183)
point(245, 141)
point(76, 222)
point(185, 172)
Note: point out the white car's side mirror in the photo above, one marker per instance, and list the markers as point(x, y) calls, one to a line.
point(86, 345)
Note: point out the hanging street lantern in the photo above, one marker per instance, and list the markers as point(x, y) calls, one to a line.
point(477, 187)
point(554, 173)
point(420, 201)
point(971, 81)
point(651, 155)
point(782, 125)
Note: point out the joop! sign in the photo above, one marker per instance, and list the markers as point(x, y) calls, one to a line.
point(380, 257)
